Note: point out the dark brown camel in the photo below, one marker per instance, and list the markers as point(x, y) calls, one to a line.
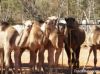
point(73, 41)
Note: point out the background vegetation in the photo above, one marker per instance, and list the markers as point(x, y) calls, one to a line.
point(18, 10)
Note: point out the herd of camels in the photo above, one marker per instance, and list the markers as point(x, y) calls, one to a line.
point(54, 34)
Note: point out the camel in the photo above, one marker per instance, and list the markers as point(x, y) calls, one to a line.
point(3, 26)
point(95, 43)
point(33, 41)
point(10, 38)
point(54, 35)
point(73, 41)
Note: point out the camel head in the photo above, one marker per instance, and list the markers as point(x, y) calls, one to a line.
point(4, 25)
point(49, 25)
point(61, 26)
point(28, 23)
point(72, 23)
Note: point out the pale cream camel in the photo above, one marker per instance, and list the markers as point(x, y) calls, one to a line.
point(3, 26)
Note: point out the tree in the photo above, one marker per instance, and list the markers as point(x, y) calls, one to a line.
point(29, 9)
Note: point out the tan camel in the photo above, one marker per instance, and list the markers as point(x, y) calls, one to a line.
point(10, 37)
point(95, 43)
point(54, 40)
point(3, 26)
point(32, 39)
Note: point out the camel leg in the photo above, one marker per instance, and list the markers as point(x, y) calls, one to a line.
point(91, 49)
point(51, 57)
point(33, 56)
point(21, 51)
point(20, 64)
point(11, 63)
point(73, 57)
point(19, 59)
point(57, 54)
point(6, 58)
point(77, 56)
point(16, 57)
point(2, 61)
point(68, 54)
point(41, 58)
point(31, 61)
point(95, 56)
